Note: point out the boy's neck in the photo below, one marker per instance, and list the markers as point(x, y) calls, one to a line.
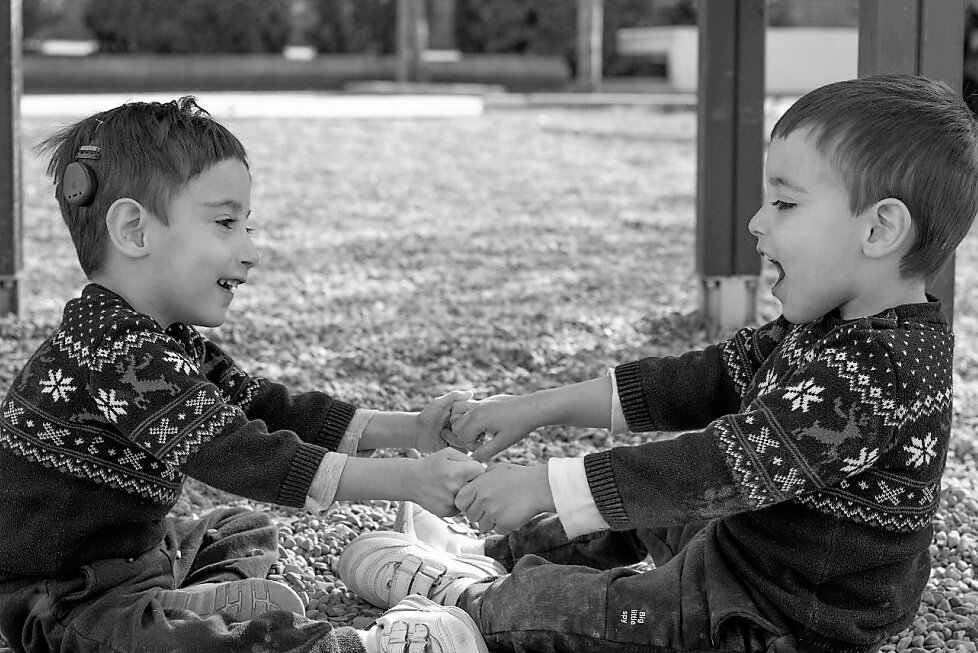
point(906, 291)
point(127, 286)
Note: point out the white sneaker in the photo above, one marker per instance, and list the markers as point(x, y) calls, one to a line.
point(384, 567)
point(444, 534)
point(420, 624)
point(239, 599)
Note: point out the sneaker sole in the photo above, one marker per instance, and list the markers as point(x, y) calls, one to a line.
point(241, 599)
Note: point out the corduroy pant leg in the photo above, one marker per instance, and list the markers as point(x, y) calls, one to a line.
point(112, 606)
point(226, 544)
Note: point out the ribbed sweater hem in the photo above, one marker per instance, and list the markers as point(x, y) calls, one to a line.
point(334, 426)
point(604, 489)
point(305, 463)
point(632, 399)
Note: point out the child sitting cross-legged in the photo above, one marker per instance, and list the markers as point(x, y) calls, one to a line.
point(126, 399)
point(792, 512)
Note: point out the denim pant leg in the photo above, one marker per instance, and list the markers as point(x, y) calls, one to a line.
point(544, 536)
point(579, 595)
point(112, 606)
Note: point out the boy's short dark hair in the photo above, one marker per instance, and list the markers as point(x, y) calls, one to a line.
point(905, 137)
point(149, 151)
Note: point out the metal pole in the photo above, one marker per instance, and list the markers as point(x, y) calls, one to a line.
point(412, 39)
point(730, 158)
point(11, 252)
point(590, 37)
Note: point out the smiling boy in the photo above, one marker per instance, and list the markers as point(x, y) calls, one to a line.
point(105, 421)
point(793, 511)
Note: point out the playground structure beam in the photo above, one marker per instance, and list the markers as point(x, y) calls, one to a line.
point(730, 159)
point(11, 238)
point(917, 37)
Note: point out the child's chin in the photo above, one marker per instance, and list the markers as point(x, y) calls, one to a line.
point(211, 322)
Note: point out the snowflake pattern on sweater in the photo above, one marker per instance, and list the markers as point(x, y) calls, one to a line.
point(852, 420)
point(114, 399)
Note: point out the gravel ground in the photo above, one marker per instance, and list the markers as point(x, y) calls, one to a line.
point(947, 619)
point(407, 258)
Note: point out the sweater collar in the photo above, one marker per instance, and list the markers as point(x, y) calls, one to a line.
point(186, 335)
point(928, 313)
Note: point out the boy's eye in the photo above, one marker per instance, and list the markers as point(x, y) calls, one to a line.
point(227, 223)
point(782, 206)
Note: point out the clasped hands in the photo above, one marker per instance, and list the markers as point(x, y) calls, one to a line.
point(499, 497)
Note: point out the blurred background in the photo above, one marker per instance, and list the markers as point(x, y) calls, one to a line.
point(76, 45)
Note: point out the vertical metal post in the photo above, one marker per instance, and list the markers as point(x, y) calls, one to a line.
point(730, 158)
point(412, 39)
point(590, 33)
point(917, 37)
point(11, 254)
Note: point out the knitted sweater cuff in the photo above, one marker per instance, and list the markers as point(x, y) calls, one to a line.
point(820, 644)
point(334, 426)
point(295, 487)
point(632, 398)
point(347, 640)
point(604, 490)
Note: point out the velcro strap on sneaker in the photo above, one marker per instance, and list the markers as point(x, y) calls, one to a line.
point(419, 639)
point(427, 577)
point(415, 576)
point(403, 576)
point(397, 637)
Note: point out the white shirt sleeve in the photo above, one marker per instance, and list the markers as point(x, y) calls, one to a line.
point(350, 443)
point(572, 496)
point(324, 483)
point(327, 478)
point(618, 423)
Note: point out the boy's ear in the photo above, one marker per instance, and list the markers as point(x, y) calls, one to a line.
point(126, 222)
point(890, 228)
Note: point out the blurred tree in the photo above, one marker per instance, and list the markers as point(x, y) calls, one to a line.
point(354, 26)
point(189, 26)
point(543, 26)
point(36, 15)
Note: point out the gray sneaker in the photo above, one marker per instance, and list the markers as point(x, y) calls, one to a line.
point(420, 624)
point(239, 599)
point(384, 567)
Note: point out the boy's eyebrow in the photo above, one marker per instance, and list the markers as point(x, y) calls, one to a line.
point(232, 205)
point(781, 181)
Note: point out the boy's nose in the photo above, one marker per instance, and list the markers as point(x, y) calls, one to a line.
point(249, 255)
point(755, 224)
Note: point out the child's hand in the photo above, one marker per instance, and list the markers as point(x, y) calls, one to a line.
point(504, 419)
point(432, 425)
point(439, 478)
point(506, 497)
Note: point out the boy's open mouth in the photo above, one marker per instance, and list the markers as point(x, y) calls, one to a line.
point(776, 265)
point(229, 284)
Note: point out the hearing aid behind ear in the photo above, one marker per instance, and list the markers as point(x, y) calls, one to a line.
point(79, 182)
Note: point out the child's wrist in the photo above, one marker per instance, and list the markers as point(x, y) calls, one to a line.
point(543, 409)
point(542, 489)
point(418, 434)
point(414, 479)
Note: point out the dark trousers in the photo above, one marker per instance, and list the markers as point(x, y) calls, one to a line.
point(111, 605)
point(580, 595)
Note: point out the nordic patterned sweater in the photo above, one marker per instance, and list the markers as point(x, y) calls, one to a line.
point(818, 448)
point(99, 429)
